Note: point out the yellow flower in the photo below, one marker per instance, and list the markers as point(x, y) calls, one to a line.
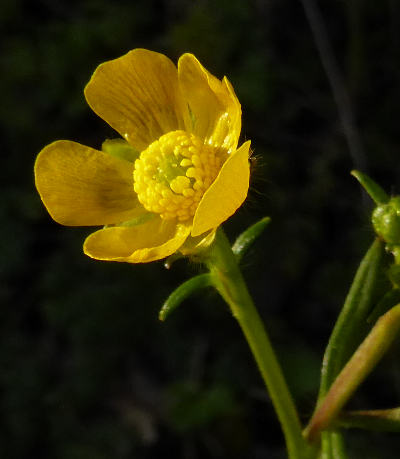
point(182, 125)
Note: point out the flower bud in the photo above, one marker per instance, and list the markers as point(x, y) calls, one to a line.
point(386, 221)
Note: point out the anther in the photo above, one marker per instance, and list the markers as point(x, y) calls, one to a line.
point(172, 174)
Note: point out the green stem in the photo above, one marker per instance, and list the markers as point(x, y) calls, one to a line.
point(332, 446)
point(229, 282)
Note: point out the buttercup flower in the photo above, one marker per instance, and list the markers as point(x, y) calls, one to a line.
point(171, 180)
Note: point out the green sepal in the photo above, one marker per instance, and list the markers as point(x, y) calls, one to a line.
point(172, 259)
point(246, 239)
point(120, 149)
point(377, 420)
point(184, 291)
point(135, 221)
point(377, 194)
point(139, 220)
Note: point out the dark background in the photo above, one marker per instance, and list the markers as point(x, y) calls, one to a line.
point(87, 370)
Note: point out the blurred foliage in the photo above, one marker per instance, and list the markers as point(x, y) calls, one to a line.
point(87, 371)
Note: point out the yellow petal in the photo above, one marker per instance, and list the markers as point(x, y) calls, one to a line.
point(139, 96)
point(226, 194)
point(151, 241)
point(81, 186)
point(215, 109)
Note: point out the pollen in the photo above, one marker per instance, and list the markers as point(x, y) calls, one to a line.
point(173, 173)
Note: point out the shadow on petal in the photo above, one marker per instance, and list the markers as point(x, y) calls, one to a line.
point(81, 186)
point(139, 96)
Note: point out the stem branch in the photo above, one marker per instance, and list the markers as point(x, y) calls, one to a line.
point(357, 369)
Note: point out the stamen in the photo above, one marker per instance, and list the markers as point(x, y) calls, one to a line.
point(173, 173)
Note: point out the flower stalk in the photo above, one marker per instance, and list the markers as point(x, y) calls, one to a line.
point(229, 282)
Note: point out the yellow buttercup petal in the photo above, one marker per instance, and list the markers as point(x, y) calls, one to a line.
point(151, 241)
point(230, 136)
point(215, 109)
point(139, 96)
point(163, 181)
point(81, 186)
point(226, 194)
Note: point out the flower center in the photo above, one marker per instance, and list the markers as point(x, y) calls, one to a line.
point(173, 173)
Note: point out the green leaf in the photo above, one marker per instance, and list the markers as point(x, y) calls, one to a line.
point(351, 322)
point(363, 361)
point(347, 333)
point(184, 291)
point(377, 194)
point(246, 239)
point(377, 420)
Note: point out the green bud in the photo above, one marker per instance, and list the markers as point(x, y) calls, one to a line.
point(386, 221)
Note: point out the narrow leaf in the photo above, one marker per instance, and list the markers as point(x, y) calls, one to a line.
point(346, 333)
point(182, 292)
point(378, 420)
point(354, 373)
point(377, 194)
point(244, 241)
